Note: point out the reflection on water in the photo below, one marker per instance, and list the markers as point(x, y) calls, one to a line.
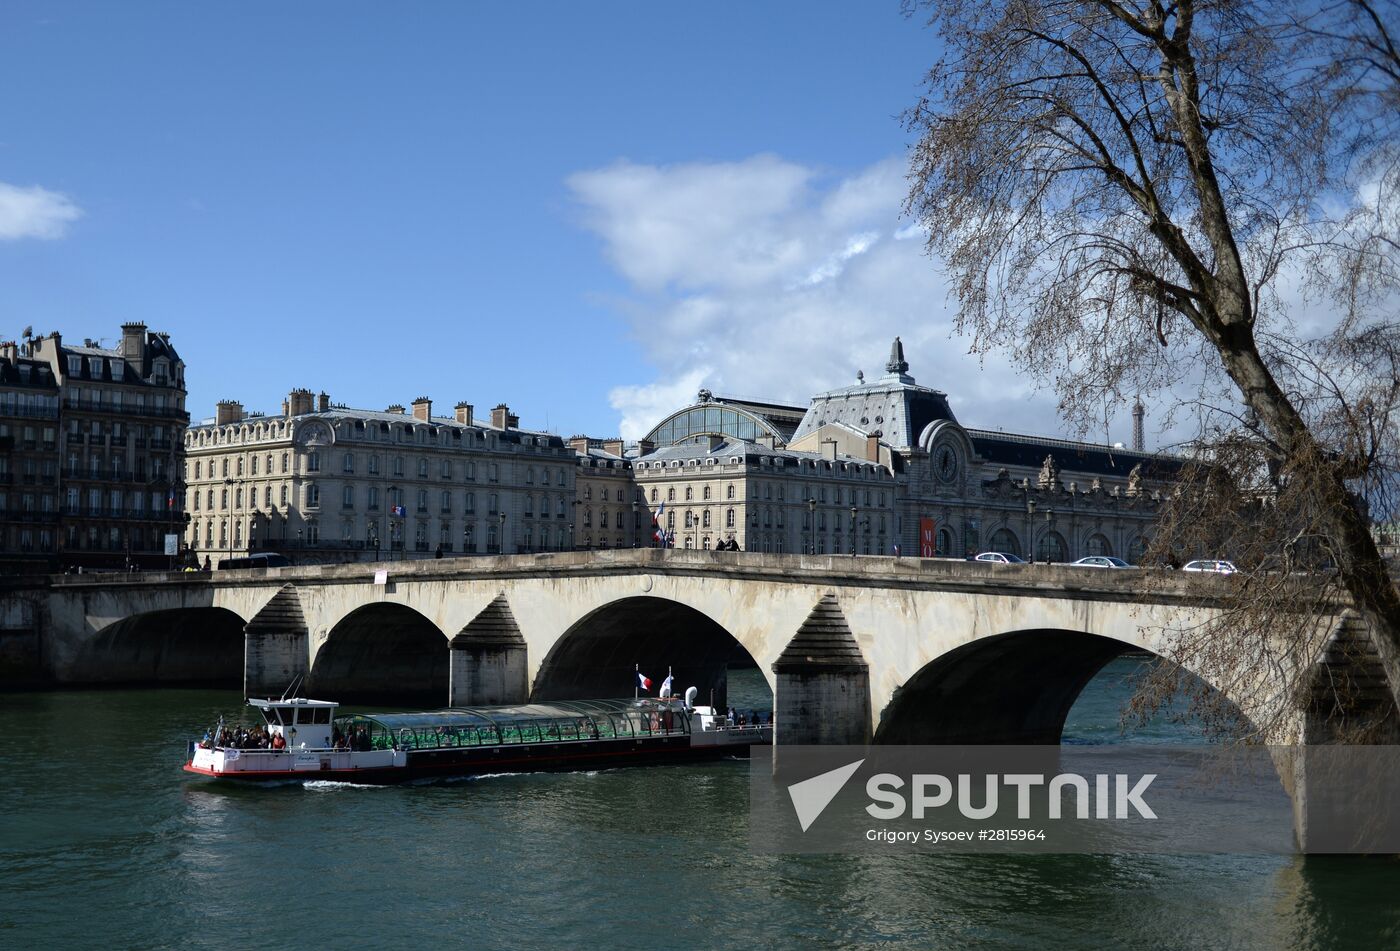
point(106, 842)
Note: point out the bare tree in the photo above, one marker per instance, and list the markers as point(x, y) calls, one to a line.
point(1127, 193)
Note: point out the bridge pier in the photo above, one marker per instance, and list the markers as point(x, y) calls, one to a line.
point(489, 660)
point(275, 646)
point(822, 696)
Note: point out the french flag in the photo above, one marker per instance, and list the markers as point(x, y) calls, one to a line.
point(657, 532)
point(643, 681)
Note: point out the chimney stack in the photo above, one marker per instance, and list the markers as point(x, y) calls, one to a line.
point(613, 446)
point(299, 402)
point(133, 342)
point(323, 402)
point(500, 416)
point(579, 444)
point(464, 413)
point(228, 411)
point(423, 409)
point(396, 408)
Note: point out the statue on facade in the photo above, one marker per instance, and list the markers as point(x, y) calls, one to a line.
point(1135, 481)
point(1049, 474)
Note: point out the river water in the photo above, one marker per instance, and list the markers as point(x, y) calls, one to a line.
point(107, 844)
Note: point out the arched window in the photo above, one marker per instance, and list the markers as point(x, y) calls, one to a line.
point(1051, 547)
point(529, 475)
point(313, 495)
point(284, 462)
point(705, 519)
point(223, 466)
point(729, 518)
point(689, 493)
point(587, 517)
point(707, 493)
point(729, 492)
point(1098, 545)
point(588, 491)
point(944, 548)
point(671, 494)
point(240, 465)
point(653, 494)
point(689, 519)
point(1003, 539)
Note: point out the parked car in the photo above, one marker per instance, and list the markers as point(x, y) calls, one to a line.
point(258, 559)
point(1099, 561)
point(1207, 564)
point(1000, 558)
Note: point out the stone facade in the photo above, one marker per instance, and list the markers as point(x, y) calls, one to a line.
point(121, 415)
point(610, 508)
point(29, 461)
point(924, 484)
point(327, 482)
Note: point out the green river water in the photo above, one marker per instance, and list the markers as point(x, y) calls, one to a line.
point(107, 844)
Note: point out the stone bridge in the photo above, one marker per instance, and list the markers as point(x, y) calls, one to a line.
point(898, 650)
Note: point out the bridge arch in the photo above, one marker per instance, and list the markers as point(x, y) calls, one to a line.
point(195, 646)
point(598, 655)
point(1010, 688)
point(382, 653)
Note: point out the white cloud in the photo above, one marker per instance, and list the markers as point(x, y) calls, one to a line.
point(772, 280)
point(34, 212)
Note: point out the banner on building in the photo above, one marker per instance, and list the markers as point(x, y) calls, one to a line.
point(928, 537)
point(172, 545)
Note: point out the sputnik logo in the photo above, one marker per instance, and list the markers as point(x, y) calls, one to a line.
point(811, 796)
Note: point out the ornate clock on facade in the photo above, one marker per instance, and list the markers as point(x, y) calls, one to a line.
point(945, 462)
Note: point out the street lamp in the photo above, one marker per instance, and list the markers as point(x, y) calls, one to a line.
point(635, 523)
point(811, 526)
point(503, 532)
point(374, 540)
point(1030, 526)
point(465, 532)
point(854, 510)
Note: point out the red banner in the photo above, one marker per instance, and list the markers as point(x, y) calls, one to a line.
point(928, 537)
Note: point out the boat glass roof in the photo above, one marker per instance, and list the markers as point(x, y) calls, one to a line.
point(554, 710)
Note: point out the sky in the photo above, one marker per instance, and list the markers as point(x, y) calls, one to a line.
point(587, 211)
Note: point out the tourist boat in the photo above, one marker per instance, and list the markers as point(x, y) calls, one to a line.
point(312, 743)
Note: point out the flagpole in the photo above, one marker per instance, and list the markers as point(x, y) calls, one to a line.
point(637, 680)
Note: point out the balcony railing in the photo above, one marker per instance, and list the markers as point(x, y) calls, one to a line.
point(125, 409)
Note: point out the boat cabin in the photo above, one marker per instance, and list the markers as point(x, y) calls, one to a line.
point(302, 723)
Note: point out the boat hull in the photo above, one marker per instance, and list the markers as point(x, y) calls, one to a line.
point(475, 761)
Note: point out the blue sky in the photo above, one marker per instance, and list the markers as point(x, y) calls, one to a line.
point(585, 210)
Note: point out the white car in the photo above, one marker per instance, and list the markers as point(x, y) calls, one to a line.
point(1001, 558)
point(1099, 561)
point(1219, 567)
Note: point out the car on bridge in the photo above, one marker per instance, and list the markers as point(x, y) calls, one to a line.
point(1099, 561)
point(1209, 564)
point(1000, 558)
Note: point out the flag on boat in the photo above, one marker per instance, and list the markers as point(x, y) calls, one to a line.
point(643, 681)
point(666, 686)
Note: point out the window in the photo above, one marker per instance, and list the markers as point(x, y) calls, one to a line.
point(445, 469)
point(347, 497)
point(284, 463)
point(729, 518)
point(422, 468)
point(529, 475)
point(347, 463)
point(471, 503)
point(240, 465)
point(198, 468)
point(544, 477)
point(705, 519)
point(398, 465)
point(653, 495)
point(587, 518)
point(269, 465)
point(224, 468)
point(493, 508)
point(284, 495)
point(471, 471)
point(446, 501)
point(707, 493)
point(223, 498)
point(588, 491)
point(422, 500)
point(689, 493)
point(529, 506)
point(313, 495)
point(372, 498)
point(267, 496)
point(238, 497)
point(671, 494)
point(255, 465)
point(1004, 540)
point(374, 465)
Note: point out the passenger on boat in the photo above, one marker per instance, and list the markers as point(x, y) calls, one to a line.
point(279, 742)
